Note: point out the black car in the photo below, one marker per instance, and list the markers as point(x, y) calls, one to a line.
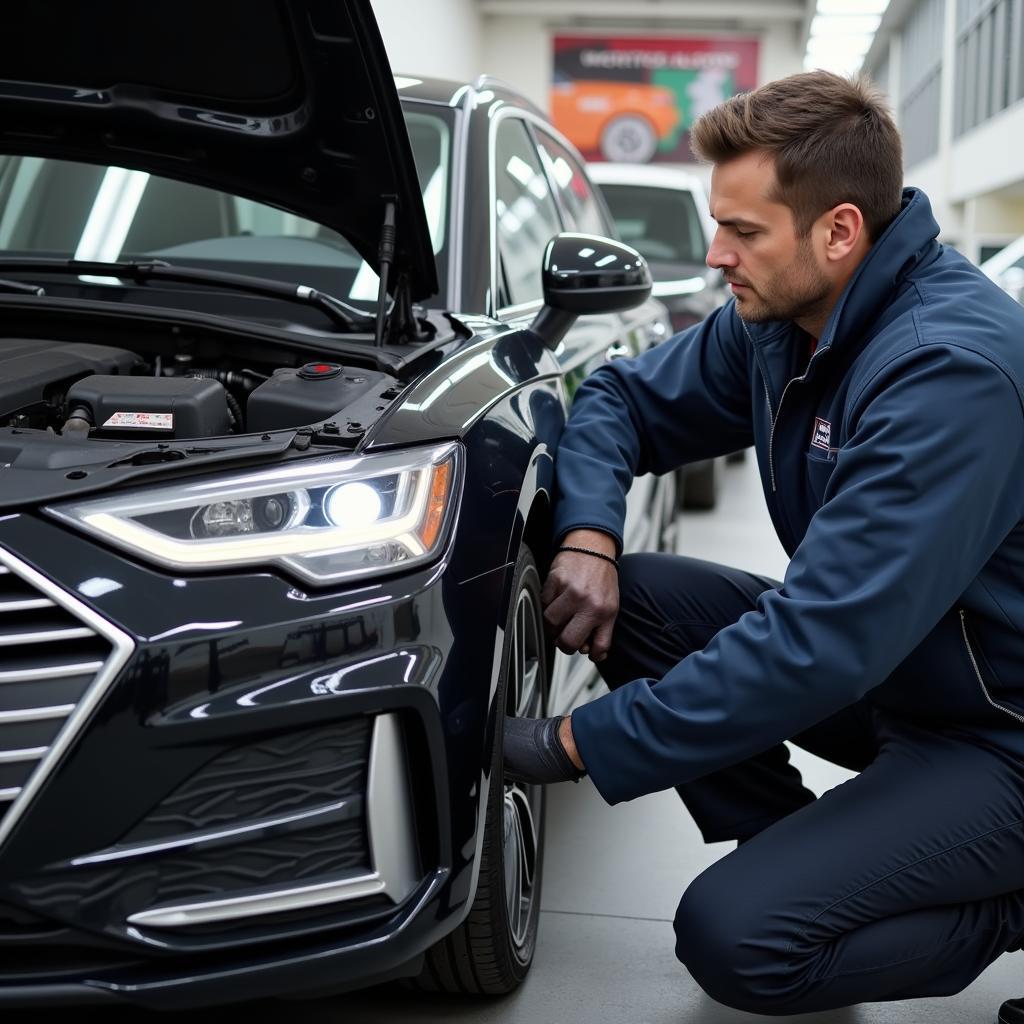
point(271, 549)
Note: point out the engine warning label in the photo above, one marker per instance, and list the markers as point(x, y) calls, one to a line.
point(142, 420)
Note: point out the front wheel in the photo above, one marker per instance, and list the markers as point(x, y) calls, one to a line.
point(491, 951)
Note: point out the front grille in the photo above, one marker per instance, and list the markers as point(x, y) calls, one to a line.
point(52, 649)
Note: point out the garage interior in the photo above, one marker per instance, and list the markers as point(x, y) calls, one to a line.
point(954, 73)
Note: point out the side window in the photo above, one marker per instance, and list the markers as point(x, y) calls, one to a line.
point(526, 214)
point(574, 190)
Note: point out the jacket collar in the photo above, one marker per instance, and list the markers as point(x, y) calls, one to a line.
point(905, 243)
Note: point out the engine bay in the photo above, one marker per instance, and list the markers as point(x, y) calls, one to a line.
point(85, 390)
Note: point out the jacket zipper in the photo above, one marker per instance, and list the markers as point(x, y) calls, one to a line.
point(977, 671)
point(775, 416)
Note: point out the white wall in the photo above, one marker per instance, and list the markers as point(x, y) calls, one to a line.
point(518, 51)
point(436, 38)
point(989, 157)
point(781, 54)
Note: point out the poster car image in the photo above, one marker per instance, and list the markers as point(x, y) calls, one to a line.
point(633, 100)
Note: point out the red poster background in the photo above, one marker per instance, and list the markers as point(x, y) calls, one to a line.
point(634, 98)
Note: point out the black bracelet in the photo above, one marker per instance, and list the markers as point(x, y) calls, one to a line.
point(587, 551)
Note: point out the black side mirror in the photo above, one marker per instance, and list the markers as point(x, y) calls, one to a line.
point(587, 274)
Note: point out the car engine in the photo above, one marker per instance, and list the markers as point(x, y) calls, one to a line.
point(85, 390)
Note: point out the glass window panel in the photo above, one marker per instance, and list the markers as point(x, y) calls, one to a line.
point(90, 212)
point(526, 215)
point(573, 187)
point(662, 224)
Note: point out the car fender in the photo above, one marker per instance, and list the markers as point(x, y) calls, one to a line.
point(502, 396)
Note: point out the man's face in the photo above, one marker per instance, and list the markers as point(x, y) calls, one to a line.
point(774, 273)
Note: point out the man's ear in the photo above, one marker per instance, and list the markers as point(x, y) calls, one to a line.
point(846, 233)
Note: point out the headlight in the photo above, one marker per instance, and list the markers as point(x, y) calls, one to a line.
point(325, 520)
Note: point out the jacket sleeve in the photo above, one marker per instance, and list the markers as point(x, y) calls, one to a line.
point(926, 489)
point(684, 400)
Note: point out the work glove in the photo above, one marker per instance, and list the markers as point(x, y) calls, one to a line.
point(534, 754)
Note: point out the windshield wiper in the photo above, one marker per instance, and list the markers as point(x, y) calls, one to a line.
point(23, 289)
point(341, 313)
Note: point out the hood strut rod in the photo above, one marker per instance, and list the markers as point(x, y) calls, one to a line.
point(386, 257)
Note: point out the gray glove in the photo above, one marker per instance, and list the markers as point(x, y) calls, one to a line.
point(534, 754)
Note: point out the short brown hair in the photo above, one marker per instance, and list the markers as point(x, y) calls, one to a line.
point(833, 141)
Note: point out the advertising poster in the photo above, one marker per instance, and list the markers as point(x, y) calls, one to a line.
point(634, 99)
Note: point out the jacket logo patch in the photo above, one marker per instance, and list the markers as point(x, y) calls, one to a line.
point(822, 436)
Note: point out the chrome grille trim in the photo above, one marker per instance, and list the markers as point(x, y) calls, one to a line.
point(44, 636)
point(30, 675)
point(37, 714)
point(25, 604)
point(78, 714)
point(18, 756)
point(7, 795)
point(258, 905)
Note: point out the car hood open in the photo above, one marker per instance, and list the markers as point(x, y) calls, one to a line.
point(288, 102)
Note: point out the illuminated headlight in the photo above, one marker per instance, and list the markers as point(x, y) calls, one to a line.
point(328, 519)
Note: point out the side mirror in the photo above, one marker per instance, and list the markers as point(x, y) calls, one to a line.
point(587, 274)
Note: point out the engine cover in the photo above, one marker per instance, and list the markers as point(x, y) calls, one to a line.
point(170, 407)
point(32, 369)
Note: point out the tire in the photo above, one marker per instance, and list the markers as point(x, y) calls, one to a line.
point(629, 139)
point(491, 952)
point(700, 490)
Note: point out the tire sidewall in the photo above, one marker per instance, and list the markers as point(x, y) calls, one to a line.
point(525, 575)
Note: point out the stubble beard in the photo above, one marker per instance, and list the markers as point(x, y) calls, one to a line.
point(799, 292)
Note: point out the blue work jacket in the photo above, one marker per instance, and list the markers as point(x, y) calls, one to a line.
point(893, 467)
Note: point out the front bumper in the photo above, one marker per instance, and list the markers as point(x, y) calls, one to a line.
point(278, 792)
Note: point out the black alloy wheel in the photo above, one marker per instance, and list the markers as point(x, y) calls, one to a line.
point(491, 951)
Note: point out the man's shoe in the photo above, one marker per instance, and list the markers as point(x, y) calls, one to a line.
point(1011, 1012)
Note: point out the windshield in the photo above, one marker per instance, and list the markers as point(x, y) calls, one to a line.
point(56, 208)
point(662, 224)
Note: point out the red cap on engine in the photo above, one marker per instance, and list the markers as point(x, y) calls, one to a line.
point(320, 371)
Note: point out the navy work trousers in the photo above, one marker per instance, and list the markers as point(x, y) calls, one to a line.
point(906, 881)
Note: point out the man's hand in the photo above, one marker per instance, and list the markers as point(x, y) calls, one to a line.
point(581, 596)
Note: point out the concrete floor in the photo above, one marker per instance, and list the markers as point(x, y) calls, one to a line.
point(613, 877)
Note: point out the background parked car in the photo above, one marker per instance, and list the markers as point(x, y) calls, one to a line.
point(1006, 268)
point(271, 551)
point(663, 213)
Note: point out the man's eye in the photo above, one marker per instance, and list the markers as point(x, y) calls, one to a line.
point(745, 234)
